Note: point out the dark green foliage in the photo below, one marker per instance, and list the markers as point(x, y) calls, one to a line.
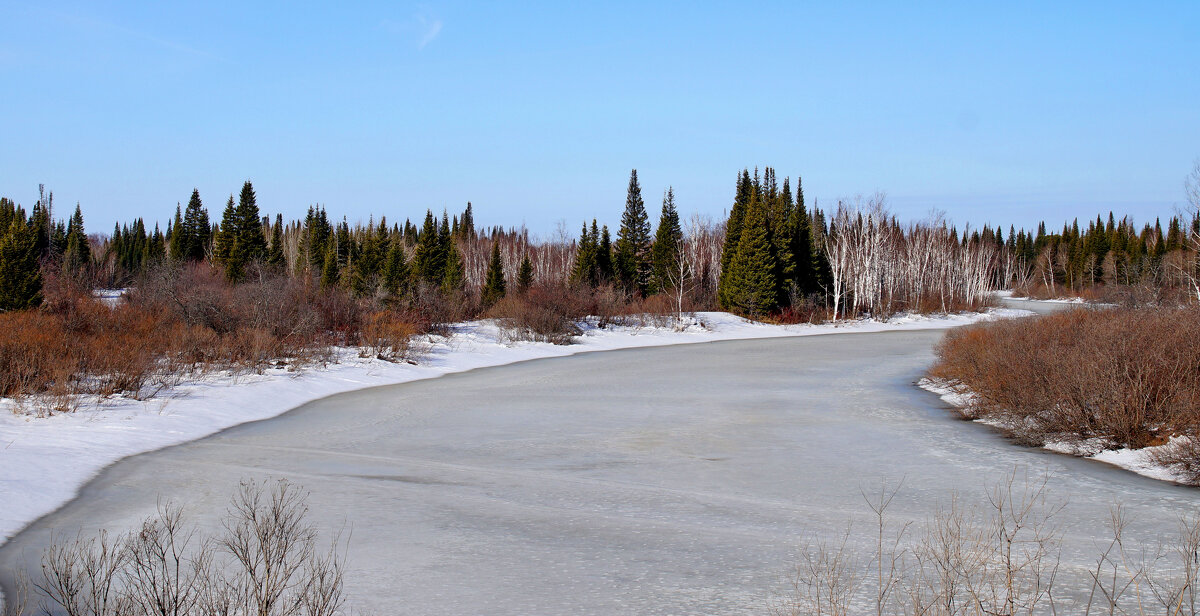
point(20, 273)
point(525, 275)
point(196, 233)
point(454, 277)
point(604, 256)
point(275, 256)
point(753, 287)
point(494, 286)
point(395, 268)
point(587, 257)
point(251, 242)
point(668, 240)
point(78, 254)
point(329, 271)
point(633, 261)
point(430, 257)
point(733, 234)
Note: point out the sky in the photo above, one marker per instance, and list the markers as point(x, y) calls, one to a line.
point(993, 113)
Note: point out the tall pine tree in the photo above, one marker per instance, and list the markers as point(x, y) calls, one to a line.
point(633, 263)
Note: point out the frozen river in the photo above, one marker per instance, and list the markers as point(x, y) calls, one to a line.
point(671, 480)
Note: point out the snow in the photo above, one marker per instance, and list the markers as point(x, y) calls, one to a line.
point(1141, 461)
point(44, 461)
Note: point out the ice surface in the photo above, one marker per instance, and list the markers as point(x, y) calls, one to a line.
point(672, 480)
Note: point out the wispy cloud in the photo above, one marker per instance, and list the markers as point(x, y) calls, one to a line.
point(422, 28)
point(430, 28)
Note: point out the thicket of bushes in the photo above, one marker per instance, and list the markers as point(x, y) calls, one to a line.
point(1127, 375)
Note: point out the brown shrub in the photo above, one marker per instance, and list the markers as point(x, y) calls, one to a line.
point(541, 314)
point(387, 335)
point(1128, 375)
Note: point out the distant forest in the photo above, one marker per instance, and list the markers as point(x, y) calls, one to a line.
point(774, 255)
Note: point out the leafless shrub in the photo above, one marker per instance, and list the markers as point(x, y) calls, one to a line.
point(1129, 376)
point(265, 563)
point(1001, 558)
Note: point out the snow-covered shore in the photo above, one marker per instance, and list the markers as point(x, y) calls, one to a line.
point(1141, 461)
point(45, 461)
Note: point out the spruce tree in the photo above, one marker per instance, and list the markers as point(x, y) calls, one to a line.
point(196, 229)
point(329, 270)
point(177, 236)
point(429, 260)
point(251, 242)
point(494, 286)
point(753, 289)
point(667, 241)
point(225, 243)
point(733, 234)
point(275, 256)
point(78, 253)
point(525, 275)
point(604, 257)
point(585, 271)
point(633, 263)
point(395, 269)
point(20, 274)
point(454, 276)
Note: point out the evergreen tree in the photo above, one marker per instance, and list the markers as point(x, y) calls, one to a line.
point(455, 276)
point(525, 275)
point(196, 230)
point(395, 269)
point(251, 241)
point(78, 253)
point(429, 259)
point(329, 270)
point(604, 257)
point(586, 269)
point(633, 261)
point(317, 232)
point(667, 241)
point(20, 274)
point(753, 285)
point(224, 245)
point(177, 236)
point(733, 234)
point(804, 277)
point(275, 256)
point(494, 286)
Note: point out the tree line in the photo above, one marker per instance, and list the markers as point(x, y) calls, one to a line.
point(773, 255)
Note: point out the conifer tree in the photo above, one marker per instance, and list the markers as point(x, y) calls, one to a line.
point(586, 268)
point(633, 262)
point(395, 269)
point(196, 229)
point(20, 274)
point(667, 241)
point(525, 275)
point(251, 241)
point(225, 243)
point(77, 254)
point(176, 236)
point(753, 289)
point(733, 234)
point(329, 270)
point(429, 260)
point(275, 256)
point(604, 257)
point(454, 276)
point(494, 286)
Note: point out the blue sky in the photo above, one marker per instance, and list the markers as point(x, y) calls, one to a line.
point(999, 113)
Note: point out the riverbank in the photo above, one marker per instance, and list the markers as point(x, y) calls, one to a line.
point(45, 460)
point(1143, 461)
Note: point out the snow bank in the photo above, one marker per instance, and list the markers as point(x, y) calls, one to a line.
point(44, 461)
point(1141, 461)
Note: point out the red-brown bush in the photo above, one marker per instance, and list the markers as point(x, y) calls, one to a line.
point(1131, 376)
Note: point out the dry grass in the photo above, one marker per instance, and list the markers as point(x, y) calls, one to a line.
point(1130, 376)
